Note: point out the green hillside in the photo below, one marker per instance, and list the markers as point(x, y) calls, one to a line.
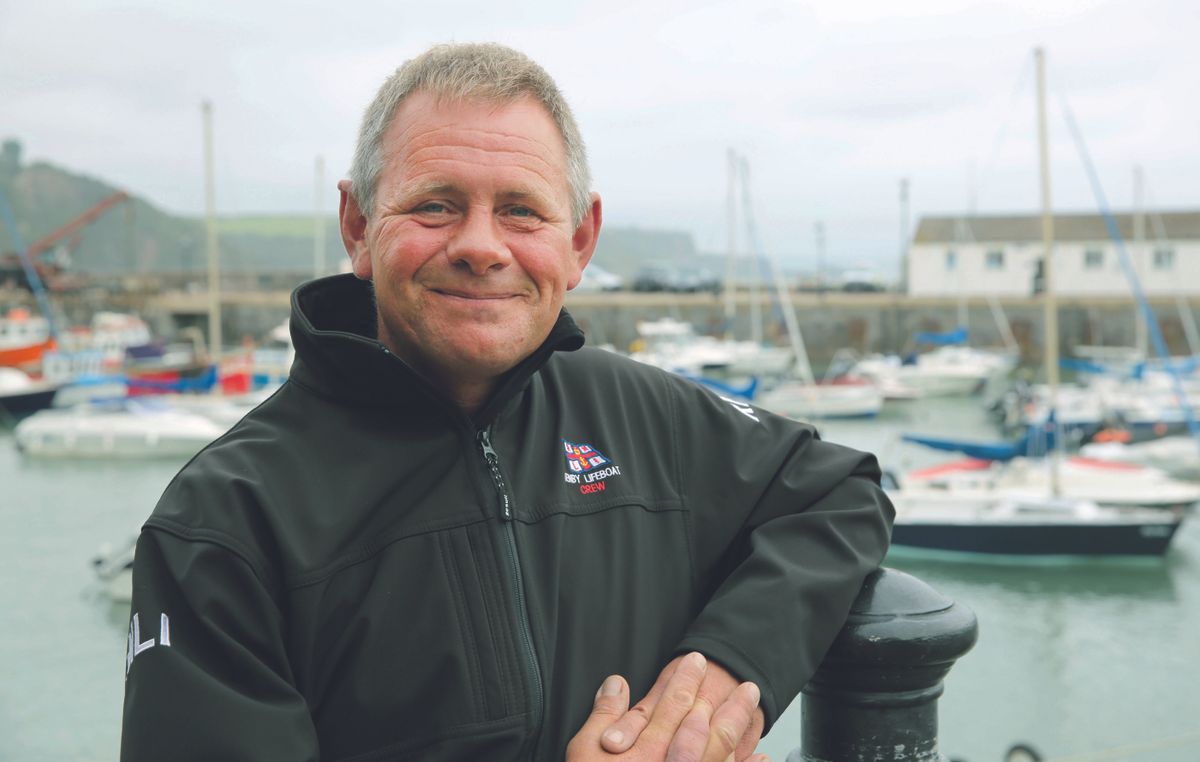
point(131, 236)
point(137, 236)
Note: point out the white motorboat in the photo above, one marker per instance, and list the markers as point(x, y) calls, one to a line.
point(118, 429)
point(1178, 456)
point(224, 410)
point(1106, 483)
point(749, 358)
point(674, 345)
point(1026, 525)
point(943, 372)
point(808, 401)
point(1146, 406)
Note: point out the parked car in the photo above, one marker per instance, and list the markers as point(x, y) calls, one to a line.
point(598, 279)
point(696, 280)
point(653, 279)
point(678, 280)
point(862, 281)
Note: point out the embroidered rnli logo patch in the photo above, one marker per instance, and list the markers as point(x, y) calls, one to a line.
point(587, 467)
point(582, 458)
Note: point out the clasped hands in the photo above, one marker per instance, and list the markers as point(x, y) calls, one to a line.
point(696, 712)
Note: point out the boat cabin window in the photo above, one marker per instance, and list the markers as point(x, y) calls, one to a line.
point(995, 259)
point(951, 259)
point(1093, 259)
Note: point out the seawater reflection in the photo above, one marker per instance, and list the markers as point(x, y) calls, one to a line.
point(1074, 658)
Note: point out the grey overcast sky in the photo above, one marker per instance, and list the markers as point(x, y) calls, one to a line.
point(833, 101)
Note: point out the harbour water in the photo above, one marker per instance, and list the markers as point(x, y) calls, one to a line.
point(1078, 660)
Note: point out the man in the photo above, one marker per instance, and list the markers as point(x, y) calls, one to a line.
point(438, 538)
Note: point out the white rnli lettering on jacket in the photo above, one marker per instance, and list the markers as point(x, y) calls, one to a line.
point(587, 467)
point(135, 645)
point(742, 408)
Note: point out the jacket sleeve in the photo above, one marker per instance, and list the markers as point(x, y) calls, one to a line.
point(207, 675)
point(785, 529)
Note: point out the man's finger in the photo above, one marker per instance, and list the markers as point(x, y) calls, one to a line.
point(625, 731)
point(677, 699)
point(730, 722)
point(752, 735)
point(612, 700)
point(691, 738)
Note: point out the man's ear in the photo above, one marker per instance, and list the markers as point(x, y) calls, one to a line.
point(583, 241)
point(354, 232)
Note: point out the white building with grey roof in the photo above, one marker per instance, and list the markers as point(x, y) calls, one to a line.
point(1001, 255)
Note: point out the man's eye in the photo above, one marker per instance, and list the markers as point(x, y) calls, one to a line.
point(522, 211)
point(432, 207)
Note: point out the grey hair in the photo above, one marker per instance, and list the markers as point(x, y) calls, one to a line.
point(484, 71)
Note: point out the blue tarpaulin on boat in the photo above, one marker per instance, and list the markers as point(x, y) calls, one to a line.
point(957, 336)
point(1037, 440)
point(1081, 366)
point(1186, 366)
point(742, 392)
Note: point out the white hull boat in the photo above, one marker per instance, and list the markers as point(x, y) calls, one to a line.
point(944, 372)
point(1106, 483)
point(21, 395)
point(797, 399)
point(1026, 525)
point(675, 346)
point(128, 429)
point(751, 359)
point(1178, 456)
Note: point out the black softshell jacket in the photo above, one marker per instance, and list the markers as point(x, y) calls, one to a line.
point(359, 571)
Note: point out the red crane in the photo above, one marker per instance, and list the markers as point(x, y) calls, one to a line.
point(70, 232)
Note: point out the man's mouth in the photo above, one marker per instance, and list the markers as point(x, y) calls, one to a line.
point(474, 295)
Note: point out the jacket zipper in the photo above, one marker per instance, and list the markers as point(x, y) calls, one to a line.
point(510, 546)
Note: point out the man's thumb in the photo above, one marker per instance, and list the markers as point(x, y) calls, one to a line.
point(612, 700)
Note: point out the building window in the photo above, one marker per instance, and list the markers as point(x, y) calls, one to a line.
point(1093, 259)
point(1164, 258)
point(951, 259)
point(994, 260)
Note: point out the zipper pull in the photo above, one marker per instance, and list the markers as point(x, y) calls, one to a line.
point(493, 462)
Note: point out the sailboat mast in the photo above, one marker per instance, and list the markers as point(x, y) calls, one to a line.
point(1139, 255)
point(210, 215)
point(903, 280)
point(819, 244)
point(731, 250)
point(319, 218)
point(1049, 303)
point(962, 234)
point(803, 368)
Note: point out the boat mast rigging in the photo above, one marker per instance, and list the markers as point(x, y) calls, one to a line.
point(1049, 303)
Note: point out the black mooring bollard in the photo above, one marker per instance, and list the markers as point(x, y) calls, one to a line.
point(875, 695)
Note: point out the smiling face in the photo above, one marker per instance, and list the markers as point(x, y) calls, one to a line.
point(471, 245)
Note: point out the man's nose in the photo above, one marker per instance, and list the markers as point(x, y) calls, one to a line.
point(478, 244)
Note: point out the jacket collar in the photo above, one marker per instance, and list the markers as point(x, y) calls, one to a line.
point(334, 328)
